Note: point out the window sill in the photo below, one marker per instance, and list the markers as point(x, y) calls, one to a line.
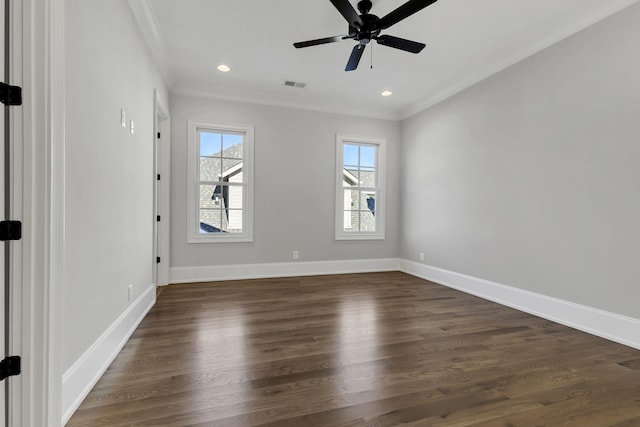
point(221, 239)
point(359, 236)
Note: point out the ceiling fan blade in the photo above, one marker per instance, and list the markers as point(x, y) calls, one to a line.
point(404, 11)
point(317, 42)
point(349, 13)
point(402, 44)
point(354, 59)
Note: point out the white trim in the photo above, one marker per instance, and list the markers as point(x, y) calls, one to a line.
point(161, 190)
point(381, 145)
point(145, 15)
point(193, 164)
point(18, 385)
point(280, 269)
point(615, 327)
point(40, 67)
point(56, 250)
point(80, 378)
point(492, 65)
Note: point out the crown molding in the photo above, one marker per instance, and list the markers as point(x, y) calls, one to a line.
point(517, 53)
point(284, 100)
point(148, 24)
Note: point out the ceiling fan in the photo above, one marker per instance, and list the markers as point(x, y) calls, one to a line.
point(366, 27)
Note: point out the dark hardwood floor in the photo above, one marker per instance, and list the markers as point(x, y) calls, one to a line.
point(379, 349)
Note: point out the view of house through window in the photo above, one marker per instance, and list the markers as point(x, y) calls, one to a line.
point(221, 181)
point(359, 188)
point(359, 182)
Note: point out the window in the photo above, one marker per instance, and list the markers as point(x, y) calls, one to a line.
point(359, 187)
point(220, 193)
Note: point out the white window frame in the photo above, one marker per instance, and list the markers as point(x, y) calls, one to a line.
point(193, 189)
point(381, 143)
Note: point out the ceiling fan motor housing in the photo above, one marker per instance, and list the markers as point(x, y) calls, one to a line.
point(369, 30)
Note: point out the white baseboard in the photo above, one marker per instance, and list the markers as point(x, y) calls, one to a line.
point(615, 327)
point(80, 378)
point(280, 269)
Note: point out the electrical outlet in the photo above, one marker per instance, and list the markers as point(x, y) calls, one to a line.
point(129, 292)
point(123, 118)
point(296, 255)
point(421, 256)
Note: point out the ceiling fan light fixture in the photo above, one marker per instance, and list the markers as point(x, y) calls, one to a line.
point(386, 93)
point(223, 68)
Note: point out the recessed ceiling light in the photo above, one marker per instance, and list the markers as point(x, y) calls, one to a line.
point(387, 93)
point(224, 68)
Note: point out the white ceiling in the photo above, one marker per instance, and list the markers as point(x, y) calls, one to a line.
point(467, 41)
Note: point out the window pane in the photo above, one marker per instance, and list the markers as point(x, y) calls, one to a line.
point(367, 156)
point(210, 221)
point(367, 201)
point(350, 156)
point(355, 221)
point(347, 221)
point(210, 143)
point(210, 169)
point(367, 221)
point(368, 178)
point(232, 170)
point(232, 220)
point(351, 200)
point(209, 196)
point(350, 177)
point(351, 221)
point(232, 146)
point(234, 199)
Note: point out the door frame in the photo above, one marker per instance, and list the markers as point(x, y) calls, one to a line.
point(12, 74)
point(162, 208)
point(4, 404)
point(38, 64)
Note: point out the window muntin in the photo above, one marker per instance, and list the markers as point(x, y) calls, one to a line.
point(359, 206)
point(221, 182)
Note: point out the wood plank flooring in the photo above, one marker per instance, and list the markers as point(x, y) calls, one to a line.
point(380, 349)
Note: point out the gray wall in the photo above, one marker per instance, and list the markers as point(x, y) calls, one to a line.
point(294, 186)
point(532, 178)
point(109, 175)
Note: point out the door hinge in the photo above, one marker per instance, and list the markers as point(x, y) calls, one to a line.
point(10, 230)
point(158, 177)
point(158, 135)
point(158, 218)
point(157, 259)
point(10, 95)
point(9, 367)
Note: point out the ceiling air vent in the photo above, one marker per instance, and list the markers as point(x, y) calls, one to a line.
point(294, 84)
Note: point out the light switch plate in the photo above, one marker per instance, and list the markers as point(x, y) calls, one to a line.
point(123, 118)
point(132, 127)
